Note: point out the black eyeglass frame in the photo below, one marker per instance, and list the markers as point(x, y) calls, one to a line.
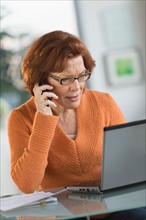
point(74, 78)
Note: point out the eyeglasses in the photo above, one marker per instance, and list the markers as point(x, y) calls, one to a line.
point(70, 80)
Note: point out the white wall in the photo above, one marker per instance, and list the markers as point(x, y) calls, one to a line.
point(91, 14)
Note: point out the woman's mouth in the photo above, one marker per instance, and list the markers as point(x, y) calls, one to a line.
point(73, 98)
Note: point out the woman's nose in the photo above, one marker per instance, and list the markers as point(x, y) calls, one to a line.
point(75, 85)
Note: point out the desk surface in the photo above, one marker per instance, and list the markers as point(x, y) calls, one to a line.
point(73, 205)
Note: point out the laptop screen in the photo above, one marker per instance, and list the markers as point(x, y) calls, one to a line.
point(124, 155)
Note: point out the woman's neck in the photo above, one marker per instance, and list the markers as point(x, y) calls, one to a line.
point(67, 121)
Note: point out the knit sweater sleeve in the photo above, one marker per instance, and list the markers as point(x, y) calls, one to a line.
point(30, 148)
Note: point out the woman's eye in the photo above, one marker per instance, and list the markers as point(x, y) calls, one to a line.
point(66, 79)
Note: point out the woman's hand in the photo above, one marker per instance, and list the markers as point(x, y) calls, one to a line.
point(43, 99)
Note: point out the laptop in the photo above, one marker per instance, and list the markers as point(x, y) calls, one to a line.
point(124, 157)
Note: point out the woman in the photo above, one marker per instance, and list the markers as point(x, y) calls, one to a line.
point(56, 136)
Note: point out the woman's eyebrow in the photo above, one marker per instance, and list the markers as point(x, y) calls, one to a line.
point(83, 71)
point(67, 76)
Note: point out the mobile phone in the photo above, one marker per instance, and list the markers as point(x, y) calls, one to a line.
point(43, 82)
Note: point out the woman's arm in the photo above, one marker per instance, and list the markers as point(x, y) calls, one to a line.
point(29, 148)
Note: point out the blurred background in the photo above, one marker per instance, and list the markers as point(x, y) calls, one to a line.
point(113, 31)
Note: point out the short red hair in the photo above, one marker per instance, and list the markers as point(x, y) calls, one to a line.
point(49, 54)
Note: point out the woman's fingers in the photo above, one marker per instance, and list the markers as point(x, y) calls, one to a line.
point(44, 98)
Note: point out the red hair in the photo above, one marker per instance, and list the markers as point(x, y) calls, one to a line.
point(49, 54)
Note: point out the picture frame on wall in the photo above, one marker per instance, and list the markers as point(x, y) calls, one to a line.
point(123, 66)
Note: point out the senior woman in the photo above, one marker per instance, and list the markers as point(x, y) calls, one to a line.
point(56, 136)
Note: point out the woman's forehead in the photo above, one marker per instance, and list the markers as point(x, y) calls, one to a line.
point(72, 66)
point(74, 61)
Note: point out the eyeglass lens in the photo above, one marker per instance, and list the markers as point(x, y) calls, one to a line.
point(70, 80)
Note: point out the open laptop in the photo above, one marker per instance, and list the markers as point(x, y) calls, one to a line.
point(124, 157)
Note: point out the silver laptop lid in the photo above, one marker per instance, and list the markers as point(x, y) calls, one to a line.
point(124, 155)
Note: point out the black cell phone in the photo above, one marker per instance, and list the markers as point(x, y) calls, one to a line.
point(43, 82)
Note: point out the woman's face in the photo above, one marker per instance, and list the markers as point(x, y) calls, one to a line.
point(69, 96)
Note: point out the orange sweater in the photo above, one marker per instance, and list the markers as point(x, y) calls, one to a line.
point(42, 155)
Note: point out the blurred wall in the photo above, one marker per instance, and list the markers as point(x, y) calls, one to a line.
point(107, 26)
